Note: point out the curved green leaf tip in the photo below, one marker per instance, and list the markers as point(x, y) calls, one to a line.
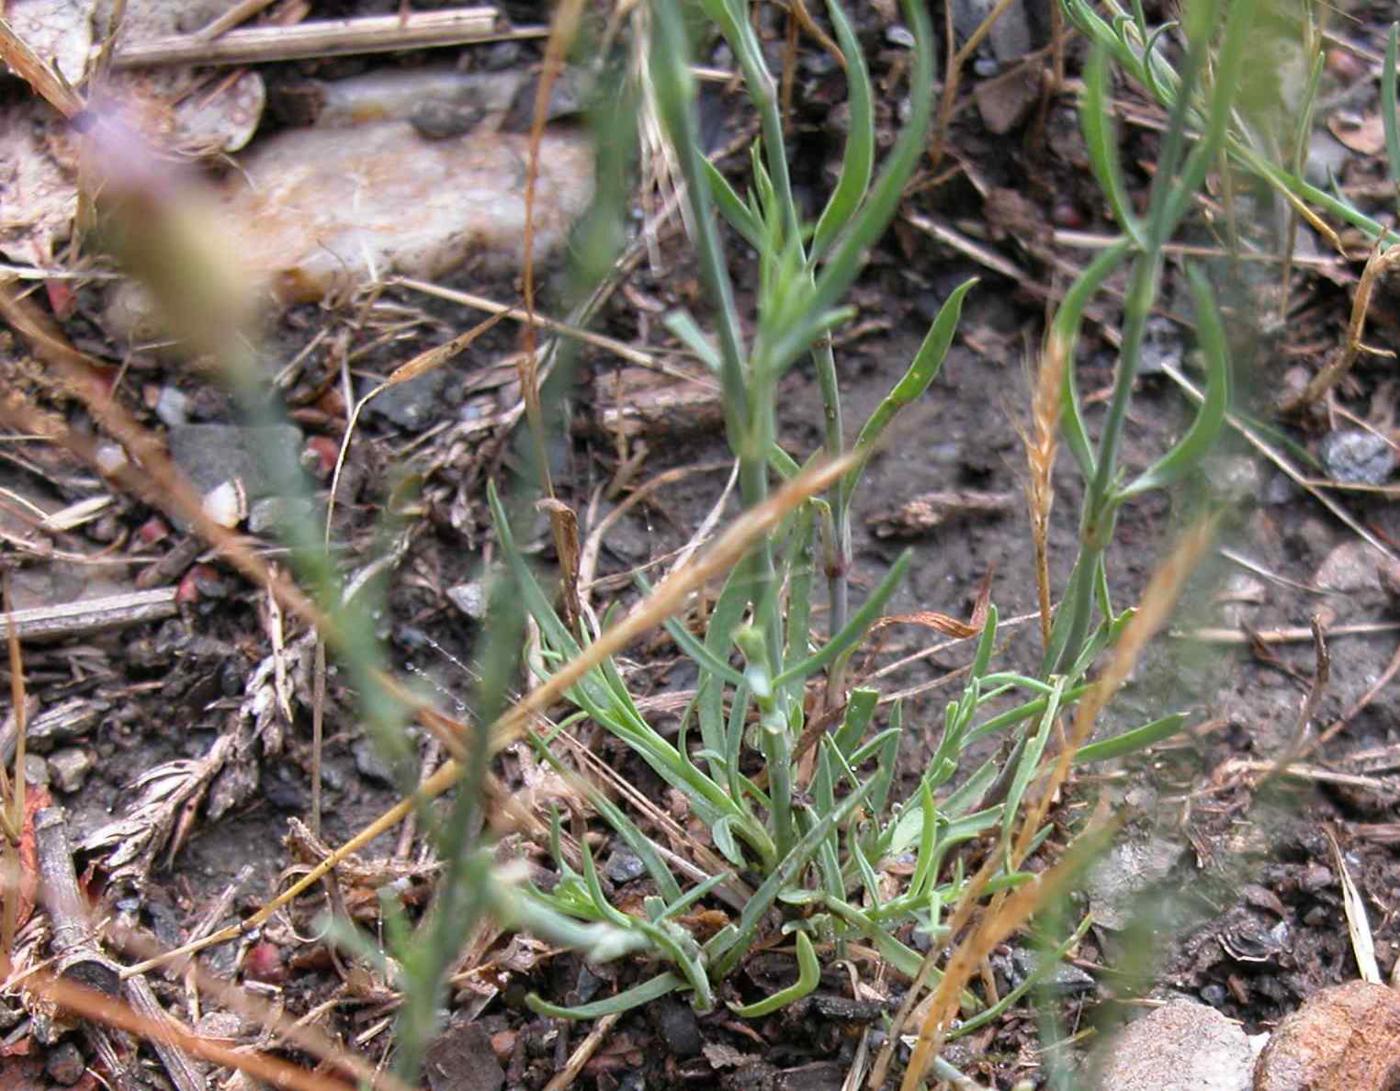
point(808, 974)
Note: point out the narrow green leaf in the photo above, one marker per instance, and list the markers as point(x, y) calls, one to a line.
point(858, 161)
point(860, 707)
point(1064, 337)
point(735, 212)
point(1210, 418)
point(1101, 142)
point(854, 630)
point(683, 325)
point(1030, 763)
point(922, 370)
point(847, 253)
point(808, 974)
point(635, 997)
point(725, 957)
point(1129, 742)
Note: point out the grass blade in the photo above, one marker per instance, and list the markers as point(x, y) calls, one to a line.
point(1210, 418)
point(858, 161)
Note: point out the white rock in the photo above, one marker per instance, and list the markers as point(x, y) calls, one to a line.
point(1182, 1046)
point(318, 209)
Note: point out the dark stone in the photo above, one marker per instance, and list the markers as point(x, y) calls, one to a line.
point(370, 765)
point(65, 1064)
point(210, 454)
point(413, 405)
point(461, 1059)
point(1214, 995)
point(439, 119)
point(677, 1026)
point(624, 865)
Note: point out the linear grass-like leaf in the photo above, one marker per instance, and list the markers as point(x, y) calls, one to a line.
point(860, 707)
point(635, 997)
point(736, 213)
point(922, 370)
point(1130, 742)
point(854, 630)
point(809, 973)
point(1210, 417)
point(725, 954)
point(858, 160)
point(1101, 142)
point(675, 97)
point(683, 326)
point(1064, 338)
point(615, 817)
point(848, 251)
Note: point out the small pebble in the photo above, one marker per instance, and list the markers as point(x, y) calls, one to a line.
point(36, 770)
point(220, 1024)
point(900, 35)
point(440, 119)
point(69, 768)
point(624, 865)
point(1161, 346)
point(369, 764)
point(470, 598)
point(677, 1027)
point(64, 1064)
point(1214, 995)
point(172, 407)
point(1354, 456)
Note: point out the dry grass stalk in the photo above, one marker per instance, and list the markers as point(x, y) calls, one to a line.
point(957, 58)
point(92, 615)
point(1041, 443)
point(1157, 603)
point(1380, 262)
point(582, 1054)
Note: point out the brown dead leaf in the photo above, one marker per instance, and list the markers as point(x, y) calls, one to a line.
point(930, 619)
point(1363, 135)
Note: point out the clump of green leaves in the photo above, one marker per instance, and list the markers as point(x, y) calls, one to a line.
point(812, 847)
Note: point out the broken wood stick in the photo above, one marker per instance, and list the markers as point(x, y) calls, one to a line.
point(80, 958)
point(320, 38)
point(91, 615)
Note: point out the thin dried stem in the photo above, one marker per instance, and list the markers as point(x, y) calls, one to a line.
point(1380, 262)
point(1041, 444)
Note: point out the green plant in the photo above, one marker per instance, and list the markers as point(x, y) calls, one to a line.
point(811, 834)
